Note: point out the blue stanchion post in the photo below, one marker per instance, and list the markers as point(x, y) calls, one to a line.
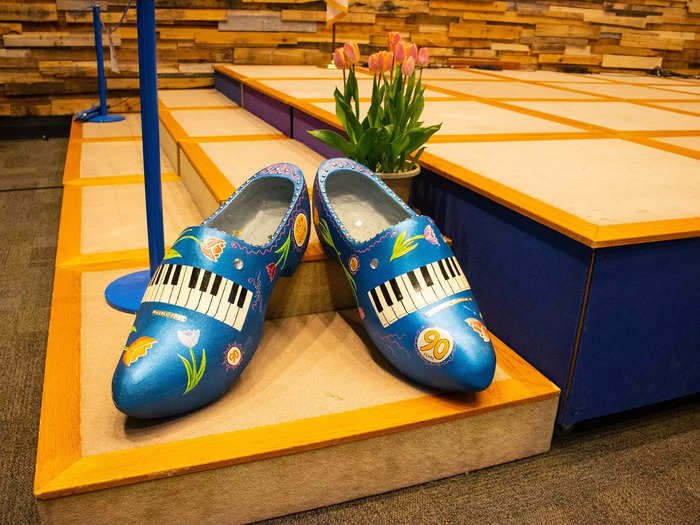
point(125, 293)
point(99, 113)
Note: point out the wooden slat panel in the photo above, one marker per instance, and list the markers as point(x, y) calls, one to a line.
point(54, 39)
point(44, 12)
point(31, 39)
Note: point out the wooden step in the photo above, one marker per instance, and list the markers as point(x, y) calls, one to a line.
point(318, 417)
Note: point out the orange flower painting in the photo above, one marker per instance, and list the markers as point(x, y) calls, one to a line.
point(138, 348)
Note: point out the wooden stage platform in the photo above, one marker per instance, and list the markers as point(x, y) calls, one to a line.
point(573, 202)
point(318, 417)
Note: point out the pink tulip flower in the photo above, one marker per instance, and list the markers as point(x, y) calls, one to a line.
point(352, 52)
point(393, 39)
point(372, 63)
point(412, 51)
point(339, 58)
point(399, 51)
point(387, 60)
point(409, 65)
point(423, 56)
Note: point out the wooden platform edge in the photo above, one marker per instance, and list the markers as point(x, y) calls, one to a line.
point(61, 470)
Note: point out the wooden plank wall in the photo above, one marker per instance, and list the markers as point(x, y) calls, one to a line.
point(47, 63)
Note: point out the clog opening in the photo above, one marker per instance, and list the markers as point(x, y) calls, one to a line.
point(363, 206)
point(256, 213)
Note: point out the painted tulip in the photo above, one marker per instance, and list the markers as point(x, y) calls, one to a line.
point(408, 66)
point(423, 56)
point(400, 51)
point(188, 338)
point(352, 52)
point(339, 58)
point(393, 39)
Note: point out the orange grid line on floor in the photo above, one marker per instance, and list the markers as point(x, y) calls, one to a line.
point(597, 236)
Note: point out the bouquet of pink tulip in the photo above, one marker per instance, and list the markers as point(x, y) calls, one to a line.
point(387, 137)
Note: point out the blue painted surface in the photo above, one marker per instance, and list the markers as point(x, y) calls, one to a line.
point(431, 331)
point(148, 81)
point(116, 293)
point(641, 337)
point(272, 111)
point(151, 378)
point(97, 27)
point(99, 113)
point(125, 293)
point(228, 86)
point(303, 123)
point(529, 280)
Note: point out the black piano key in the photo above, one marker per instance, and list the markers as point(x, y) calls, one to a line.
point(232, 295)
point(159, 276)
point(426, 275)
point(448, 263)
point(167, 274)
point(241, 298)
point(215, 286)
point(205, 281)
point(414, 281)
point(375, 300)
point(154, 277)
point(194, 277)
point(176, 275)
point(442, 269)
point(386, 295)
point(396, 289)
point(457, 268)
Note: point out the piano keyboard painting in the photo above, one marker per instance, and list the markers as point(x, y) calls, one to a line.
point(416, 289)
point(202, 291)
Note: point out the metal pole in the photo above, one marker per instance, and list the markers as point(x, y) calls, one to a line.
point(148, 78)
point(97, 26)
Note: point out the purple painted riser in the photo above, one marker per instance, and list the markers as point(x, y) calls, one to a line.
point(270, 110)
point(304, 123)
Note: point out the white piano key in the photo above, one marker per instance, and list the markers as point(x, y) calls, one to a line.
point(388, 312)
point(174, 286)
point(416, 296)
point(230, 318)
point(171, 286)
point(154, 286)
point(160, 289)
point(398, 308)
point(407, 301)
point(216, 299)
point(425, 290)
point(224, 304)
point(454, 274)
point(462, 277)
point(195, 294)
point(147, 293)
point(437, 286)
point(184, 292)
point(205, 299)
point(380, 315)
point(243, 313)
point(451, 283)
point(445, 281)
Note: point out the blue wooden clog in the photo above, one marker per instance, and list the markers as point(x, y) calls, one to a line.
point(411, 292)
point(201, 318)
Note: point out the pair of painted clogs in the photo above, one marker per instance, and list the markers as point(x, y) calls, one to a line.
point(201, 318)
